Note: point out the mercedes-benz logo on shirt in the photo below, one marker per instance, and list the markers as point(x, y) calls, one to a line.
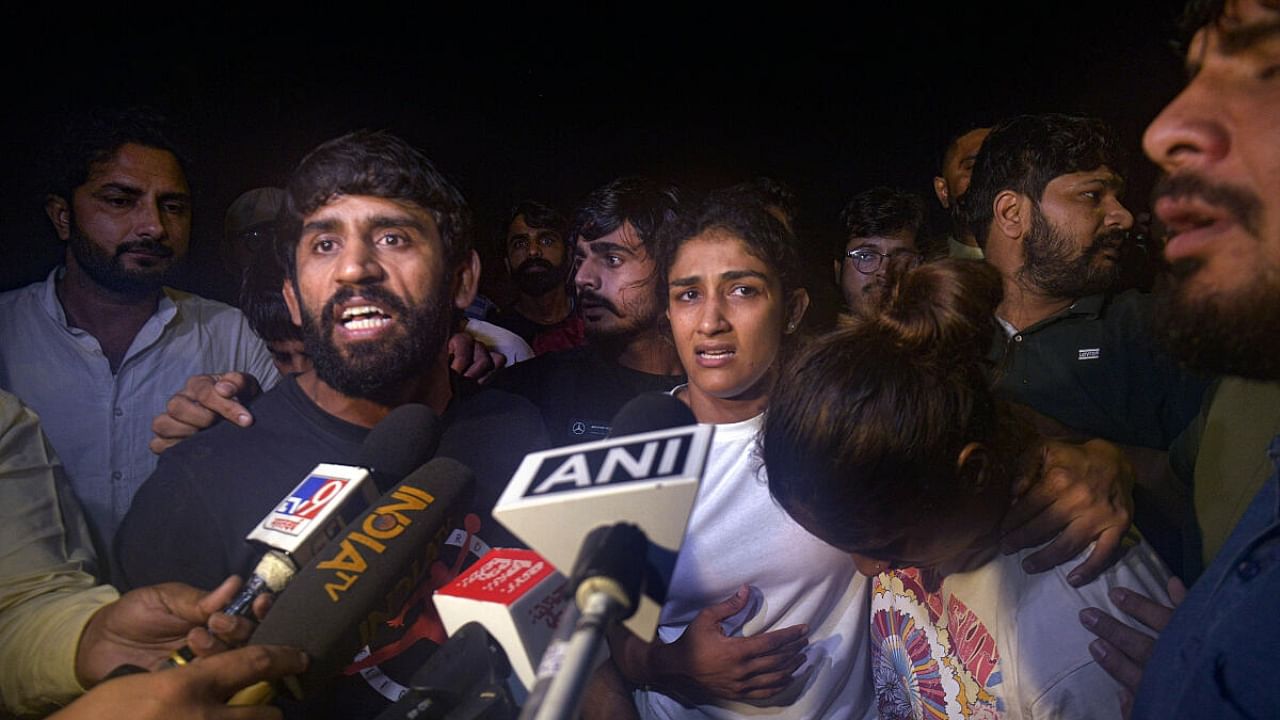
point(578, 428)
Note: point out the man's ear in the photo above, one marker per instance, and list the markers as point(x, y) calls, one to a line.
point(291, 301)
point(837, 266)
point(466, 280)
point(940, 189)
point(972, 464)
point(1011, 212)
point(59, 212)
point(796, 307)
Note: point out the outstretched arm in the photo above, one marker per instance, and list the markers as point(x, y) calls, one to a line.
point(199, 690)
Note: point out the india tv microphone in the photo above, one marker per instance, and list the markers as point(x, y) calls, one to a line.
point(322, 504)
point(359, 580)
point(327, 498)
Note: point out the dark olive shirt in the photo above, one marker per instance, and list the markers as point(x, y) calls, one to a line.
point(1096, 367)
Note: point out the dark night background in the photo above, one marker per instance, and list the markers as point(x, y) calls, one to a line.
point(551, 103)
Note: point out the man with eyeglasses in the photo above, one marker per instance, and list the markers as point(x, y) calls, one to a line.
point(881, 230)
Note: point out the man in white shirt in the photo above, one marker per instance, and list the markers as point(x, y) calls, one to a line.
point(98, 347)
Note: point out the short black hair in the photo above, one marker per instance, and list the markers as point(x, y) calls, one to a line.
point(957, 131)
point(1195, 15)
point(378, 164)
point(1026, 152)
point(97, 135)
point(880, 212)
point(767, 192)
point(746, 217)
point(536, 215)
point(644, 202)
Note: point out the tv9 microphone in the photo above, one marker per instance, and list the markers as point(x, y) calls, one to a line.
point(327, 498)
point(358, 581)
point(322, 504)
point(648, 477)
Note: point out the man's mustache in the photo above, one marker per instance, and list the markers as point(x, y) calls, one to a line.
point(1109, 240)
point(1244, 206)
point(149, 247)
point(589, 298)
point(531, 263)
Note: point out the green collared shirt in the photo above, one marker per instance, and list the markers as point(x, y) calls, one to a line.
point(1095, 367)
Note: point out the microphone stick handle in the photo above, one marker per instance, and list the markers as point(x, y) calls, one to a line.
point(564, 695)
point(242, 604)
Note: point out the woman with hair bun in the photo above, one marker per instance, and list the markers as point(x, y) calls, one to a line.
point(885, 440)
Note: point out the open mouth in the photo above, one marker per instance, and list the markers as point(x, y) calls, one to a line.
point(714, 357)
point(1191, 224)
point(363, 317)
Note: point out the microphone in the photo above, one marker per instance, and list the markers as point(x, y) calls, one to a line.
point(650, 411)
point(358, 581)
point(648, 477)
point(517, 596)
point(322, 504)
point(319, 506)
point(645, 475)
point(465, 679)
point(606, 585)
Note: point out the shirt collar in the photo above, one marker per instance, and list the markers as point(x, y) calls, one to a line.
point(166, 308)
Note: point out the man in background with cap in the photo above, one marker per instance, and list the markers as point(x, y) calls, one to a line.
point(248, 225)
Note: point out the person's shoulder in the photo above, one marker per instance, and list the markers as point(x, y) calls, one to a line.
point(1131, 306)
point(493, 405)
point(204, 310)
point(543, 368)
point(24, 297)
point(274, 410)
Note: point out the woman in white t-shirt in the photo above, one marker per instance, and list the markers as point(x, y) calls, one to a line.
point(885, 440)
point(762, 619)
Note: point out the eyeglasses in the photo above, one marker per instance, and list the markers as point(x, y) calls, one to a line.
point(867, 261)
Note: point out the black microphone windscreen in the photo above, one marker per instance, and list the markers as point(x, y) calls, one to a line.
point(403, 440)
point(332, 606)
point(651, 411)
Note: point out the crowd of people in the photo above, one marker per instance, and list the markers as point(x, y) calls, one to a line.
point(1003, 483)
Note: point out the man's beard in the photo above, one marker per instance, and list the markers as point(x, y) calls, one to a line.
point(1236, 333)
point(539, 282)
point(107, 271)
point(377, 369)
point(1049, 267)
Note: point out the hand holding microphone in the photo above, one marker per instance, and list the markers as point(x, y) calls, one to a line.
point(315, 510)
point(359, 580)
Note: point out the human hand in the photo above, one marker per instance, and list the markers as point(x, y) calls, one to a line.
point(705, 663)
point(1083, 494)
point(198, 690)
point(145, 625)
point(201, 402)
point(1121, 650)
point(473, 359)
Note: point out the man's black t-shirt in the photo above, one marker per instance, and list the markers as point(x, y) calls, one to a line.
point(189, 520)
point(578, 391)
